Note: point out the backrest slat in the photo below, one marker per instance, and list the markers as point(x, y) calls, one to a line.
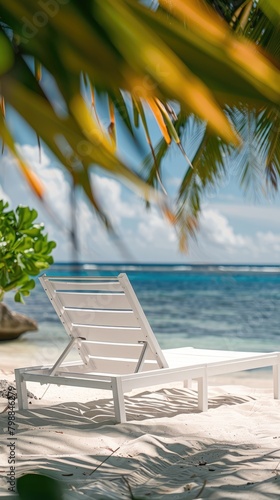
point(104, 318)
point(75, 286)
point(120, 351)
point(109, 333)
point(94, 300)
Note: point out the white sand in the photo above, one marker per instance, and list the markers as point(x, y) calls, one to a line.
point(167, 448)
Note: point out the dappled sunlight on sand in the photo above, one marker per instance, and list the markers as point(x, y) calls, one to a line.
point(167, 448)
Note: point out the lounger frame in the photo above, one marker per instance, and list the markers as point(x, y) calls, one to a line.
point(118, 349)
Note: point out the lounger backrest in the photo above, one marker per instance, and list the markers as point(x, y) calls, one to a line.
point(105, 317)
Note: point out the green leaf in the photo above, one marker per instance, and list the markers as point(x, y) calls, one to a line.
point(31, 268)
point(26, 217)
point(6, 55)
point(23, 243)
point(38, 246)
point(29, 285)
point(18, 298)
point(37, 486)
point(50, 246)
point(41, 264)
point(3, 205)
point(271, 9)
point(34, 231)
point(10, 237)
point(122, 107)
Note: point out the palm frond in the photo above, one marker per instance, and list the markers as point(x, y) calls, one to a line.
point(267, 137)
point(153, 162)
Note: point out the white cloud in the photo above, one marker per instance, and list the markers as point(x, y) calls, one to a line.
point(37, 159)
point(57, 189)
point(221, 243)
point(108, 192)
point(216, 229)
point(268, 240)
point(154, 229)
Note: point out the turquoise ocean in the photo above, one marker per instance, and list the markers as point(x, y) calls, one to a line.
point(211, 306)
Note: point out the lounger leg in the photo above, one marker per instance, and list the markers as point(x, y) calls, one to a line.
point(276, 381)
point(188, 383)
point(118, 400)
point(202, 392)
point(21, 391)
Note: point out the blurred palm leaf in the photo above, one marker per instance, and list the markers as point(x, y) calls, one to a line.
point(182, 51)
point(267, 135)
point(258, 159)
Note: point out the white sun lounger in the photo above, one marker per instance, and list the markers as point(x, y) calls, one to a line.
point(118, 348)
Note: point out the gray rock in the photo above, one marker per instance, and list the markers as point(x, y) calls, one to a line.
point(8, 388)
point(13, 324)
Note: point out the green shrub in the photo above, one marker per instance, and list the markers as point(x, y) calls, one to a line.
point(24, 250)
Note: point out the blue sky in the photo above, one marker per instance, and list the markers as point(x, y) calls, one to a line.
point(234, 227)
